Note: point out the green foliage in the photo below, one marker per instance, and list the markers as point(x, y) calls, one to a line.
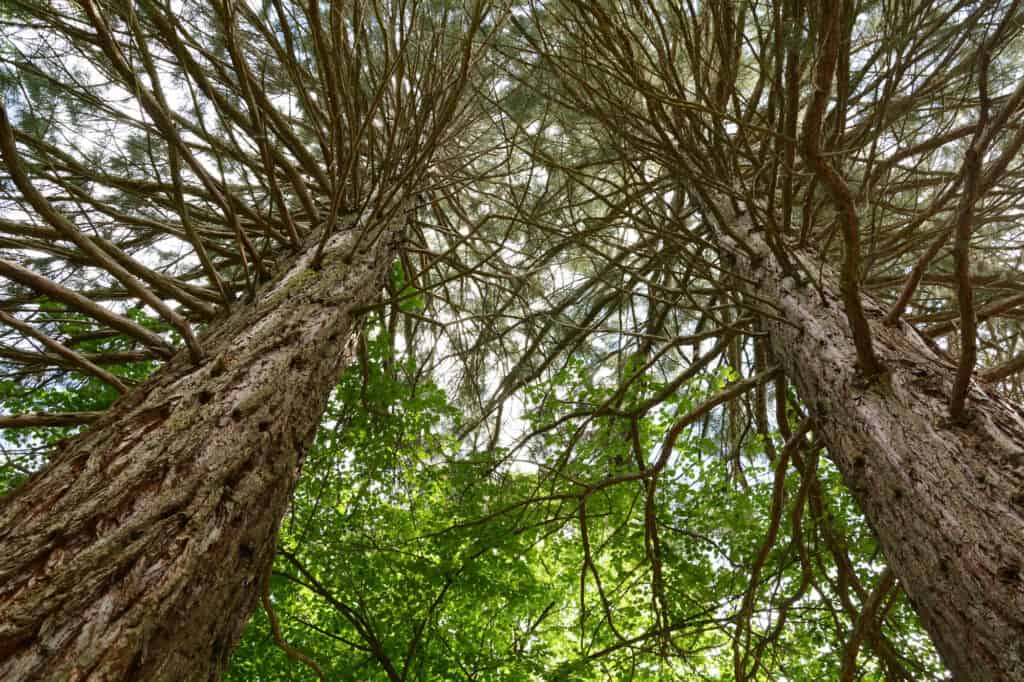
point(410, 299)
point(405, 549)
point(575, 185)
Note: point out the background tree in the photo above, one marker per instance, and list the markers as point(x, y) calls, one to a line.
point(683, 268)
point(399, 564)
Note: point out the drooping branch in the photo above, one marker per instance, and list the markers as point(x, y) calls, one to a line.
point(51, 419)
point(77, 301)
point(60, 349)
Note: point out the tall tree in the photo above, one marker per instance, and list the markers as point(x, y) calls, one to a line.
point(819, 160)
point(757, 229)
point(277, 152)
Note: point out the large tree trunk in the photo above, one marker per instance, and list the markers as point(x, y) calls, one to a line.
point(946, 500)
point(138, 552)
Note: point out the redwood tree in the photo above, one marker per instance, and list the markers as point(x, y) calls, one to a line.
point(268, 161)
point(838, 184)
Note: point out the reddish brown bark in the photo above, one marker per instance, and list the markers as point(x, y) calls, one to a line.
point(946, 499)
point(138, 553)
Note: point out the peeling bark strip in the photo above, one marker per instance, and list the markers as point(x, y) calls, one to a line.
point(138, 553)
point(945, 500)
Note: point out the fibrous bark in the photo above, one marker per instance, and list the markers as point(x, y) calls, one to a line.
point(944, 497)
point(138, 552)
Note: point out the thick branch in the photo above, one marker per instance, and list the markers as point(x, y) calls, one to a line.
point(49, 419)
point(63, 351)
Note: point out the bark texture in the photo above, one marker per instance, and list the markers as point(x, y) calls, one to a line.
point(138, 552)
point(945, 499)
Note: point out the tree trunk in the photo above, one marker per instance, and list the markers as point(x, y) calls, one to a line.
point(946, 500)
point(138, 552)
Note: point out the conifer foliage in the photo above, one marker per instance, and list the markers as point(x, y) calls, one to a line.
point(511, 339)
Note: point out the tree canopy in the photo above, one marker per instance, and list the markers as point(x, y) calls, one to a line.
point(565, 446)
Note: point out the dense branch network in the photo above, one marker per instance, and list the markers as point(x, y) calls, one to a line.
point(569, 258)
